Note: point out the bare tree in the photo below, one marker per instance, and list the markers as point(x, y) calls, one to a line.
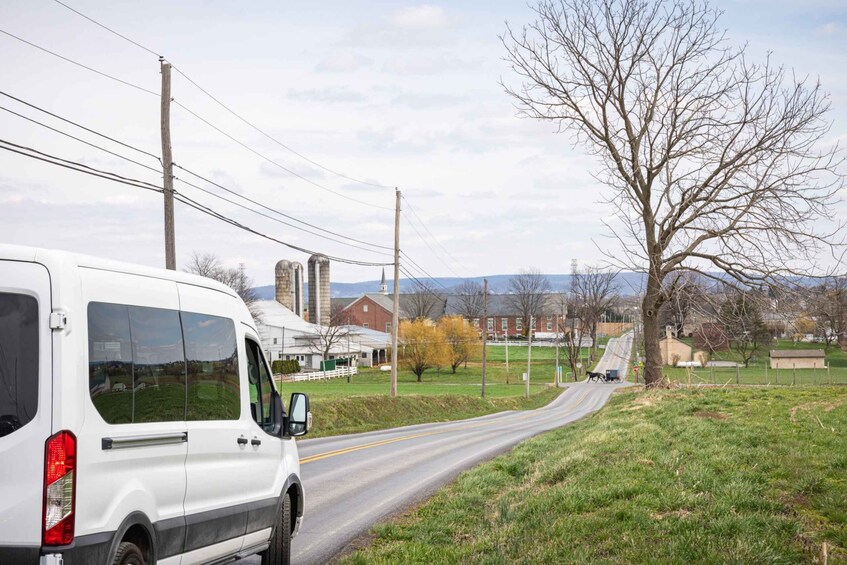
point(210, 266)
point(687, 300)
point(741, 317)
point(469, 300)
point(333, 333)
point(828, 306)
point(713, 162)
point(593, 293)
point(422, 302)
point(527, 296)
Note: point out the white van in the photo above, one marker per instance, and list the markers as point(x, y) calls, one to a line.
point(139, 422)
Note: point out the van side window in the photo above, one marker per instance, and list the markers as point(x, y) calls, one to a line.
point(110, 362)
point(212, 356)
point(158, 361)
point(136, 363)
point(261, 388)
point(18, 361)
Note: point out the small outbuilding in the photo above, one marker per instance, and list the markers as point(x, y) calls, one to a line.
point(674, 350)
point(797, 359)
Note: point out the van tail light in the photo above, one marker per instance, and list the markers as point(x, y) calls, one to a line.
point(59, 489)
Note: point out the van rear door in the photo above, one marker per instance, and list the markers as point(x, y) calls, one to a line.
point(25, 403)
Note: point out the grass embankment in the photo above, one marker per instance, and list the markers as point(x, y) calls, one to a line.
point(364, 404)
point(336, 416)
point(704, 475)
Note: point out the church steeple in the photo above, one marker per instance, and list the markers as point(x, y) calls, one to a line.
point(383, 287)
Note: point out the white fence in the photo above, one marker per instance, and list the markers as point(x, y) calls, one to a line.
point(319, 375)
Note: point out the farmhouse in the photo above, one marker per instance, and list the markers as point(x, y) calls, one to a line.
point(674, 350)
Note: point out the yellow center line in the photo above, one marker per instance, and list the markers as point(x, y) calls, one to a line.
point(328, 454)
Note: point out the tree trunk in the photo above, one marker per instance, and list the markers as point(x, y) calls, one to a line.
point(652, 353)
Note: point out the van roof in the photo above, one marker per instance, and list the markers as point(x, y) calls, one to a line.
point(54, 256)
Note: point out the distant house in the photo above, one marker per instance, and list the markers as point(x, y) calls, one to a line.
point(674, 350)
point(798, 359)
point(372, 310)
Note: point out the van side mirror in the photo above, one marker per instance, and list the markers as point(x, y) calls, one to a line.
point(299, 415)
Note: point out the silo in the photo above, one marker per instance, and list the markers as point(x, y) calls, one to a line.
point(289, 285)
point(319, 305)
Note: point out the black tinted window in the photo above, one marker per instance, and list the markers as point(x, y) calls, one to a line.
point(261, 388)
point(136, 363)
point(158, 365)
point(212, 355)
point(110, 362)
point(18, 361)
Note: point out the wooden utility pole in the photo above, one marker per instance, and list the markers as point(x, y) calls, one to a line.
point(528, 354)
point(395, 316)
point(485, 330)
point(168, 166)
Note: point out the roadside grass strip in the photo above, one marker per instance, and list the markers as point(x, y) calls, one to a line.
point(346, 415)
point(729, 475)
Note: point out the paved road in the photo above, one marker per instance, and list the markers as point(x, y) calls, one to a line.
point(353, 481)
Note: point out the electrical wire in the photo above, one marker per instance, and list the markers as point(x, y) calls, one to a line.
point(125, 158)
point(424, 240)
point(159, 172)
point(275, 211)
point(95, 22)
point(271, 161)
point(225, 199)
point(89, 130)
point(78, 64)
point(422, 223)
point(222, 105)
point(79, 167)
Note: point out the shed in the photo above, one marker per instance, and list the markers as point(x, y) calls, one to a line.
point(797, 359)
point(674, 350)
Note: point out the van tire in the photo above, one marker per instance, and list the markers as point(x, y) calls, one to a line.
point(279, 551)
point(128, 554)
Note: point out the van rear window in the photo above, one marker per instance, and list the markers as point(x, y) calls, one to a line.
point(18, 361)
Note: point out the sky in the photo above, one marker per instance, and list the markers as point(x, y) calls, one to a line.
point(396, 94)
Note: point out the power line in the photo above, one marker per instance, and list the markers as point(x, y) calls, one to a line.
point(95, 22)
point(412, 210)
point(125, 158)
point(79, 167)
point(73, 165)
point(222, 105)
point(284, 146)
point(86, 67)
point(278, 212)
point(158, 171)
point(271, 161)
point(225, 199)
point(58, 117)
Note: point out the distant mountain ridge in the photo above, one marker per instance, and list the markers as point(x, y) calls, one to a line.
point(628, 284)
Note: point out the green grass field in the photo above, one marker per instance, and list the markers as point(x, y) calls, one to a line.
point(736, 475)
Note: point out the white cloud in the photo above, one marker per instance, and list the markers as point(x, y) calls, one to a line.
point(831, 28)
point(343, 63)
point(421, 17)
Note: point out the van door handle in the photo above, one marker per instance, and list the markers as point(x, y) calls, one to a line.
point(256, 442)
point(242, 440)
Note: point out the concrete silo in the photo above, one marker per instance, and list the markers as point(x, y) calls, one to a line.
point(319, 306)
point(289, 285)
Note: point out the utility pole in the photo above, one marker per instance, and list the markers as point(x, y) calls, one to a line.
point(528, 354)
point(168, 166)
point(485, 331)
point(395, 316)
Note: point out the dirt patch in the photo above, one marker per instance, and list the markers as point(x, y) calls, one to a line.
point(681, 513)
point(712, 415)
point(826, 406)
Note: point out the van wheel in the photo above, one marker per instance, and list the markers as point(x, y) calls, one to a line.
point(128, 554)
point(279, 552)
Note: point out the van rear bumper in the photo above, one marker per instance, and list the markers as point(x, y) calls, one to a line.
point(84, 550)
